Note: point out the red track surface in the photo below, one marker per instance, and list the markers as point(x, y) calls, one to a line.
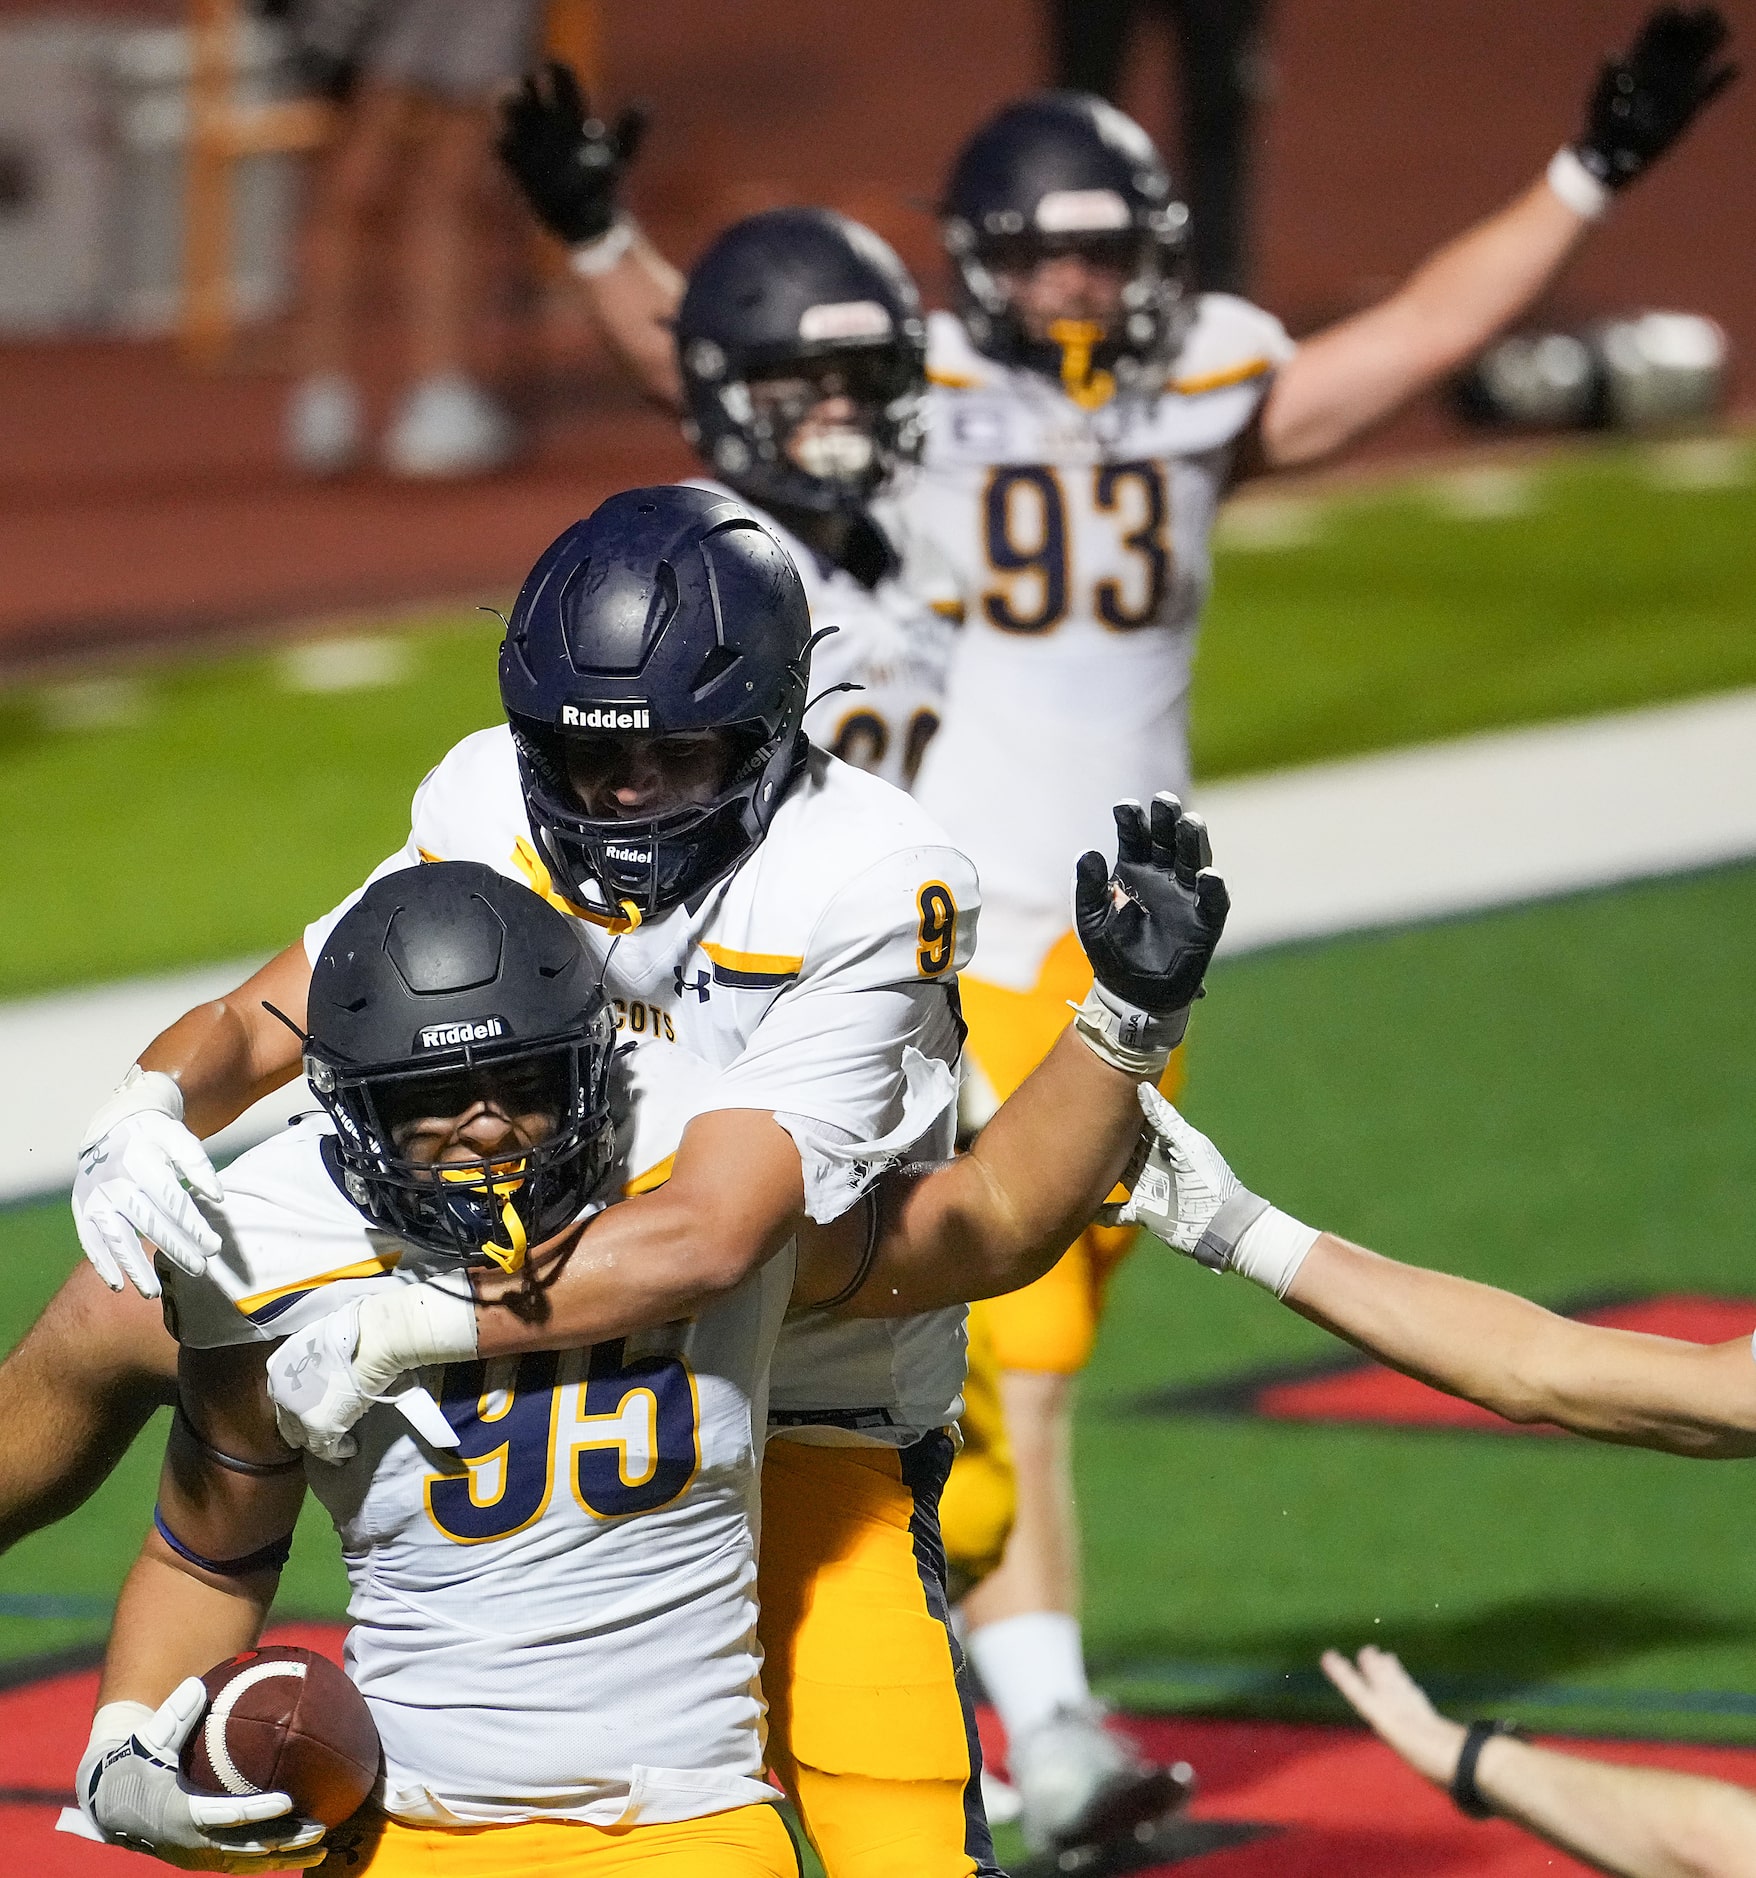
point(1344, 1806)
point(139, 502)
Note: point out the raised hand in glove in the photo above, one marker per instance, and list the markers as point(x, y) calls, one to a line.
point(1149, 926)
point(1645, 100)
point(567, 163)
point(131, 1794)
point(138, 1166)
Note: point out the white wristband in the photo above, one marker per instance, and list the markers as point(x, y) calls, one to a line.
point(1272, 1248)
point(592, 258)
point(116, 1721)
point(412, 1327)
point(1576, 186)
point(1129, 1040)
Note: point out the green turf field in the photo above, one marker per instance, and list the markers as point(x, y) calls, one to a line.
point(203, 812)
point(1558, 1098)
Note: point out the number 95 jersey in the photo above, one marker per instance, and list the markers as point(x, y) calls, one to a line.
point(1080, 534)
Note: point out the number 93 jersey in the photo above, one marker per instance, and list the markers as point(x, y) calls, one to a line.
point(558, 1621)
point(1080, 534)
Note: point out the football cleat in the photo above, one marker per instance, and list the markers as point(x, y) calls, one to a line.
point(448, 426)
point(324, 428)
point(1082, 1787)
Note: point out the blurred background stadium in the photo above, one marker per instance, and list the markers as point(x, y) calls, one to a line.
point(220, 683)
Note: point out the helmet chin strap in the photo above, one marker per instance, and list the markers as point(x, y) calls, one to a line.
point(1087, 388)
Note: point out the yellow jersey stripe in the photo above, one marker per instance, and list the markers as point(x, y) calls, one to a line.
point(952, 381)
point(374, 1267)
point(762, 964)
point(655, 1176)
point(428, 855)
point(1218, 381)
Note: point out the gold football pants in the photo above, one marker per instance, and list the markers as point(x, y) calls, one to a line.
point(869, 1729)
point(747, 1842)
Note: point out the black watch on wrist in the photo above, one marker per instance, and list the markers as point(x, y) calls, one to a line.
point(1464, 1792)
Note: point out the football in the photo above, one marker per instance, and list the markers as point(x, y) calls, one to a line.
point(285, 1720)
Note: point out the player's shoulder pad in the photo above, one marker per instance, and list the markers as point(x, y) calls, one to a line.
point(1230, 342)
point(471, 806)
point(857, 883)
point(953, 363)
point(289, 1244)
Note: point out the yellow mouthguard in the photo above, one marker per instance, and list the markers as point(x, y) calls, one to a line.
point(506, 1179)
point(1087, 388)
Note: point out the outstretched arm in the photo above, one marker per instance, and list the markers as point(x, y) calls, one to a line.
point(999, 1216)
point(568, 165)
point(1351, 377)
point(1635, 1822)
point(1471, 1340)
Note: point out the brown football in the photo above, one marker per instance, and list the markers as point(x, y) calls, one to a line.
point(285, 1720)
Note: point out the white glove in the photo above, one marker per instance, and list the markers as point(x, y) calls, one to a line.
point(1185, 1194)
point(134, 1163)
point(325, 1377)
point(132, 1794)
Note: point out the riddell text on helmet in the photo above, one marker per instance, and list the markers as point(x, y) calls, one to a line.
point(447, 1036)
point(606, 717)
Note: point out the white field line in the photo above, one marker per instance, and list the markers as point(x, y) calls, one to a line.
point(1377, 841)
point(1485, 821)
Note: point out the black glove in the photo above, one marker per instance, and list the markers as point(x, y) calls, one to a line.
point(1644, 101)
point(1150, 925)
point(566, 162)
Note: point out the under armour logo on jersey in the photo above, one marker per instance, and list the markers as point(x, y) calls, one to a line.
point(699, 984)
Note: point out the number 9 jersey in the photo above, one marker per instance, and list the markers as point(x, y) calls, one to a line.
point(1079, 531)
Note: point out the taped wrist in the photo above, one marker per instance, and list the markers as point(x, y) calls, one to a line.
point(412, 1327)
point(1582, 191)
point(1126, 1037)
point(140, 1092)
point(1269, 1246)
point(115, 1722)
point(592, 258)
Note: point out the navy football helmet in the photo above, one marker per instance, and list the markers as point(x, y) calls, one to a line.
point(1064, 171)
point(802, 294)
point(443, 986)
point(668, 610)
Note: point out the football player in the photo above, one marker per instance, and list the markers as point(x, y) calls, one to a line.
point(795, 355)
point(462, 1051)
point(1087, 415)
point(742, 895)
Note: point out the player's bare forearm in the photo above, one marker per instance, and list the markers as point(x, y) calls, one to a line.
point(173, 1621)
point(999, 1216)
point(1638, 1822)
point(1354, 375)
point(83, 1383)
point(230, 1053)
point(1528, 1364)
point(734, 1197)
point(633, 305)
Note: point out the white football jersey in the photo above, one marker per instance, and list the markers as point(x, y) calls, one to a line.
point(819, 980)
point(892, 642)
point(560, 1621)
point(1081, 540)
